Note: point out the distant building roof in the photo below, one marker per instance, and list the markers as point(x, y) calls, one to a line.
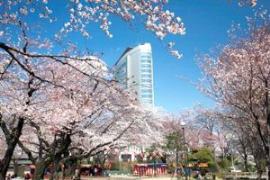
point(126, 51)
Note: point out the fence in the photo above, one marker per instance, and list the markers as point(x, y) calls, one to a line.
point(153, 169)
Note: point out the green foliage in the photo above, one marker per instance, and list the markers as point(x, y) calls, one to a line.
point(224, 164)
point(174, 141)
point(204, 155)
point(261, 165)
point(152, 148)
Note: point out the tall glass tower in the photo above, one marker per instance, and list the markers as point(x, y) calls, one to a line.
point(134, 70)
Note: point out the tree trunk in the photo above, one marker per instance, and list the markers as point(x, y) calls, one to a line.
point(63, 168)
point(268, 168)
point(5, 162)
point(246, 162)
point(55, 171)
point(12, 141)
point(260, 175)
point(40, 170)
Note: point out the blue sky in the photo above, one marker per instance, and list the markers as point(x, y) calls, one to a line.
point(206, 22)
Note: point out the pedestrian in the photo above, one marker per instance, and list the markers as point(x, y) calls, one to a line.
point(27, 176)
point(200, 176)
point(77, 174)
point(95, 170)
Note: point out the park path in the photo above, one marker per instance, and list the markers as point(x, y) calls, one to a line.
point(133, 178)
point(128, 178)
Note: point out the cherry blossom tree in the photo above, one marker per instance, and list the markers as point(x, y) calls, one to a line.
point(238, 79)
point(25, 52)
point(244, 142)
point(17, 15)
point(23, 45)
point(71, 114)
point(202, 128)
point(75, 111)
point(247, 2)
point(22, 49)
point(16, 93)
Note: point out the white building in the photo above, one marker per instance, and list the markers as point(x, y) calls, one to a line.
point(134, 70)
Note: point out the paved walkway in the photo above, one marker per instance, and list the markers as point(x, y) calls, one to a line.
point(131, 178)
point(127, 178)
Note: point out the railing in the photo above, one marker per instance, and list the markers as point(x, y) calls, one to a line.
point(150, 169)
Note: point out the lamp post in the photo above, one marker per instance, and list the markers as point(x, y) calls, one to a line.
point(180, 139)
point(178, 142)
point(185, 149)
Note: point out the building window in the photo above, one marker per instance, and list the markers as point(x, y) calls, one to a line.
point(146, 65)
point(146, 70)
point(147, 101)
point(147, 96)
point(146, 81)
point(146, 61)
point(146, 75)
point(146, 91)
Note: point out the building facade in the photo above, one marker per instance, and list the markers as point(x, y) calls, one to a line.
point(134, 70)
